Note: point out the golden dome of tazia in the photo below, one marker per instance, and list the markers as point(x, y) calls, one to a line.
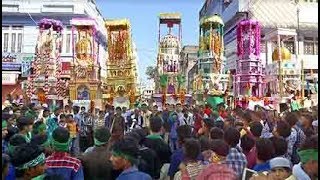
point(285, 54)
point(169, 41)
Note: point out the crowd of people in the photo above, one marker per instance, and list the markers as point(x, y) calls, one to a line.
point(177, 142)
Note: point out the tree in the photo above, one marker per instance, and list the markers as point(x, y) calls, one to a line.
point(151, 72)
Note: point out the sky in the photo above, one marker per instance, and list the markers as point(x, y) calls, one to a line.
point(143, 16)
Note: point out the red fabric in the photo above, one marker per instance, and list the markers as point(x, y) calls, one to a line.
point(251, 158)
point(223, 114)
point(217, 172)
point(63, 160)
point(207, 111)
point(197, 123)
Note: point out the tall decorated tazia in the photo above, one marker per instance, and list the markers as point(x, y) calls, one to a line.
point(46, 67)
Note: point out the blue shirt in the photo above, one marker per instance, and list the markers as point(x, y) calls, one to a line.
point(262, 167)
point(12, 173)
point(133, 174)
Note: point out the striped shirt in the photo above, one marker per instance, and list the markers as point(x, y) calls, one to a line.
point(192, 171)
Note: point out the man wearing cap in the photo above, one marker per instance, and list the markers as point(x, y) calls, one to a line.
point(60, 162)
point(124, 157)
point(307, 169)
point(95, 160)
point(25, 126)
point(29, 161)
point(281, 169)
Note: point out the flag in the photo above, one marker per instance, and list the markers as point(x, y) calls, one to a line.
point(213, 101)
point(163, 80)
point(181, 79)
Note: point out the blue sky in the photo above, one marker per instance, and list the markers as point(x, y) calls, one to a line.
point(143, 16)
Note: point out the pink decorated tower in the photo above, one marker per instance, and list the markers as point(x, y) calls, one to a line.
point(45, 82)
point(249, 72)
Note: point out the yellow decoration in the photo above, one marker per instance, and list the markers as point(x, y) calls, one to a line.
point(211, 19)
point(285, 54)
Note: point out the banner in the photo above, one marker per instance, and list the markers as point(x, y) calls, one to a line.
point(163, 80)
point(213, 101)
point(9, 79)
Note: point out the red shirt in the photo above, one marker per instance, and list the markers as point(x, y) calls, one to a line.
point(207, 111)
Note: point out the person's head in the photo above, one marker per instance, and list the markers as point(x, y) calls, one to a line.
point(291, 118)
point(60, 139)
point(57, 111)
point(15, 141)
point(25, 124)
point(83, 109)
point(155, 124)
point(256, 128)
point(265, 150)
point(280, 168)
point(63, 117)
point(118, 110)
point(124, 109)
point(221, 107)
point(101, 136)
point(306, 120)
point(76, 109)
point(39, 128)
point(178, 107)
point(207, 124)
point(191, 149)
point(247, 143)
point(232, 136)
point(283, 129)
point(5, 165)
point(308, 154)
point(220, 150)
point(124, 153)
point(144, 107)
point(183, 132)
point(67, 107)
point(246, 118)
point(43, 141)
point(69, 118)
point(216, 133)
point(29, 161)
point(280, 146)
point(4, 129)
point(46, 113)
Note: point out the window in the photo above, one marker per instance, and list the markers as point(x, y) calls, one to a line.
point(68, 41)
point(290, 46)
point(5, 43)
point(308, 45)
point(316, 47)
point(19, 42)
point(13, 43)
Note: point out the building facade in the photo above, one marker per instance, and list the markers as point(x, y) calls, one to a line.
point(188, 56)
point(20, 32)
point(299, 21)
